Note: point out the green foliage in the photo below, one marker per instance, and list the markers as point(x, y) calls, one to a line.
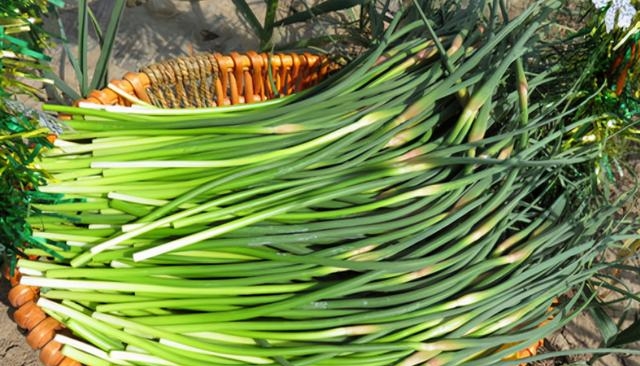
point(606, 69)
point(599, 77)
point(23, 134)
point(364, 22)
point(87, 80)
point(21, 45)
point(23, 131)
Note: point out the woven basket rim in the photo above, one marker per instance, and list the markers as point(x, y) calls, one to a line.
point(214, 79)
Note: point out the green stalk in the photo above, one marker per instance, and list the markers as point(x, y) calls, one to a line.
point(176, 290)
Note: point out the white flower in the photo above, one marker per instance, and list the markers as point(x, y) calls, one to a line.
point(626, 16)
point(599, 4)
point(620, 9)
point(610, 19)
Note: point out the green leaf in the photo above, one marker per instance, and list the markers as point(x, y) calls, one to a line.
point(322, 8)
point(58, 3)
point(96, 25)
point(604, 323)
point(629, 335)
point(269, 19)
point(83, 35)
point(65, 45)
point(99, 79)
point(62, 85)
point(249, 16)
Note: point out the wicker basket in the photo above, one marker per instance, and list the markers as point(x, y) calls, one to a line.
point(200, 81)
point(212, 80)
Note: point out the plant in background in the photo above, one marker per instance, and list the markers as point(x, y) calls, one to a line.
point(87, 79)
point(605, 54)
point(23, 131)
point(603, 57)
point(361, 21)
point(620, 13)
point(21, 45)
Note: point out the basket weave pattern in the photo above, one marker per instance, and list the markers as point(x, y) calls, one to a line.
point(211, 80)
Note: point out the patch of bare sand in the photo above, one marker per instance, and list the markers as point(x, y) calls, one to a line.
point(14, 350)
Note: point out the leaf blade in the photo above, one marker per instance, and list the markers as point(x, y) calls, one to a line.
point(319, 9)
point(100, 75)
point(248, 14)
point(83, 34)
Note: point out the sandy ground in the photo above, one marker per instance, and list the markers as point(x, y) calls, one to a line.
point(14, 350)
point(150, 34)
point(583, 332)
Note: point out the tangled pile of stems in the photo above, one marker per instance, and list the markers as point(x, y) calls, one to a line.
point(413, 209)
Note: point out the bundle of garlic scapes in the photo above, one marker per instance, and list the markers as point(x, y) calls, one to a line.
point(409, 210)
